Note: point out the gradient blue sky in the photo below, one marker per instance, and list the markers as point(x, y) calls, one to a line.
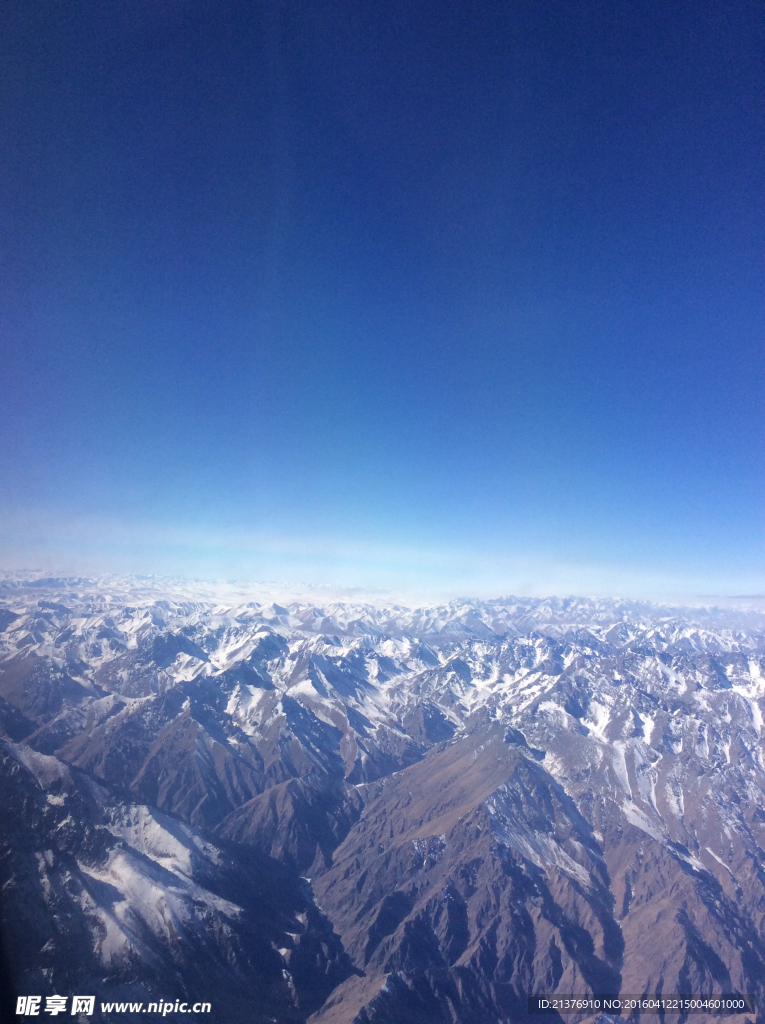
point(450, 296)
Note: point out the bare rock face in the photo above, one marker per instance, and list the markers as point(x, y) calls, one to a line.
point(365, 815)
point(466, 903)
point(300, 822)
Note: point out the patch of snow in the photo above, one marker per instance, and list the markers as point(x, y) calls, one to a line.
point(719, 860)
point(619, 762)
point(640, 819)
point(538, 847)
point(648, 726)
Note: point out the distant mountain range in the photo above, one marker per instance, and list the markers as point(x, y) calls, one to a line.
point(359, 814)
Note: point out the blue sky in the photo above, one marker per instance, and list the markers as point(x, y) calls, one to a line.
point(438, 297)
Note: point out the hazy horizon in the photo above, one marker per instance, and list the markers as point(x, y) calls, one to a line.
point(235, 591)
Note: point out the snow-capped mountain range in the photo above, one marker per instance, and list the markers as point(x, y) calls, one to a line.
point(364, 813)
